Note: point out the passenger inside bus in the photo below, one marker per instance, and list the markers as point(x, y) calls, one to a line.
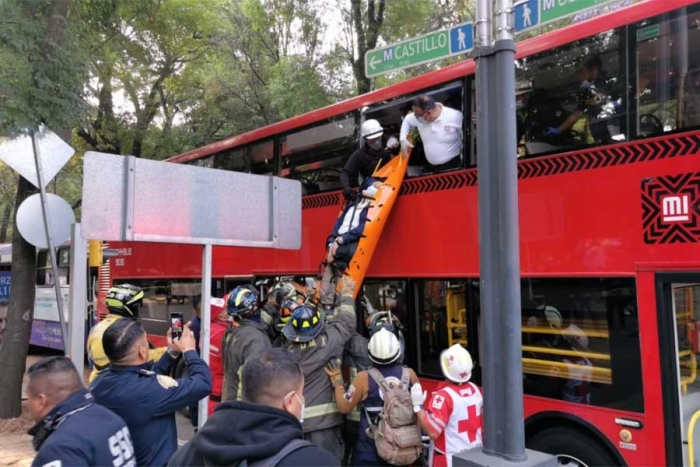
point(342, 242)
point(595, 102)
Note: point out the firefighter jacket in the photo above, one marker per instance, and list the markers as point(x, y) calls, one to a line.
point(239, 343)
point(321, 411)
point(96, 353)
point(356, 359)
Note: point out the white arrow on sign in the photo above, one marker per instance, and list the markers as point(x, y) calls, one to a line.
point(373, 62)
point(18, 153)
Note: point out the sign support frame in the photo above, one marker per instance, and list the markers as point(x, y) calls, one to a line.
point(78, 298)
point(205, 329)
point(50, 241)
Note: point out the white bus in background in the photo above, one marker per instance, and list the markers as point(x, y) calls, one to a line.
point(46, 328)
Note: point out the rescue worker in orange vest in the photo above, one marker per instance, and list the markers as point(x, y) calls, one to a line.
point(123, 301)
point(385, 352)
point(452, 418)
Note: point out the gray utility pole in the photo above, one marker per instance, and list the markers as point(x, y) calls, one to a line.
point(499, 252)
point(50, 242)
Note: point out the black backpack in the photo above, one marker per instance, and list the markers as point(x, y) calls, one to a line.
point(275, 459)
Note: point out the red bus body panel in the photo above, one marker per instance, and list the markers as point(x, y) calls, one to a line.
point(581, 214)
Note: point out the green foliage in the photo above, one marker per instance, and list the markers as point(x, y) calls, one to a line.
point(295, 88)
point(41, 75)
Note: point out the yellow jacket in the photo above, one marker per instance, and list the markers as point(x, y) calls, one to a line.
point(96, 353)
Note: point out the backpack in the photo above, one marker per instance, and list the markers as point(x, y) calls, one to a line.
point(397, 435)
point(273, 460)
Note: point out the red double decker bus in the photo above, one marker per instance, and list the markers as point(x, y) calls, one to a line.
point(609, 231)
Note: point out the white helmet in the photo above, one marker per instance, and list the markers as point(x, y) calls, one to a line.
point(576, 337)
point(456, 364)
point(384, 347)
point(552, 315)
point(371, 129)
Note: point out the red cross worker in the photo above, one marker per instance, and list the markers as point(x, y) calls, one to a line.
point(452, 416)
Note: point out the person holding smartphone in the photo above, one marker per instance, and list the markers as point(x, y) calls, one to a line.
point(143, 394)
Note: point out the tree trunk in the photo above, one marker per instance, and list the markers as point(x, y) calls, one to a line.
point(367, 37)
point(5, 226)
point(13, 354)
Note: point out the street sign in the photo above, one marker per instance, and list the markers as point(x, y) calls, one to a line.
point(531, 14)
point(33, 231)
point(419, 50)
point(18, 153)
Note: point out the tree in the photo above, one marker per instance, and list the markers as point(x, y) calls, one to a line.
point(42, 75)
point(366, 26)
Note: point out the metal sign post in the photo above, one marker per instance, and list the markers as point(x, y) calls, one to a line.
point(205, 330)
point(50, 241)
point(499, 256)
point(78, 298)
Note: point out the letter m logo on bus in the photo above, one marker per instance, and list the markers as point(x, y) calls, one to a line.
point(671, 209)
point(675, 208)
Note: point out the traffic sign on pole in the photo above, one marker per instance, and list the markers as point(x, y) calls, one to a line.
point(419, 50)
point(531, 14)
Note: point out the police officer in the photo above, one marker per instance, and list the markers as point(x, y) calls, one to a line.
point(315, 343)
point(71, 429)
point(123, 301)
point(248, 336)
point(142, 393)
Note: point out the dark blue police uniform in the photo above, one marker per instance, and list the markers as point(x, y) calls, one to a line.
point(78, 432)
point(147, 399)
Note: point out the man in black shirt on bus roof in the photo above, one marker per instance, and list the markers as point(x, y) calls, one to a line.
point(365, 160)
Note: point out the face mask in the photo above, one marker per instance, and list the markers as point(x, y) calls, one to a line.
point(375, 143)
point(519, 105)
point(303, 408)
point(372, 190)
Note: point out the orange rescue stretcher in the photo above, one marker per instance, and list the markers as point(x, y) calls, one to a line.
point(392, 174)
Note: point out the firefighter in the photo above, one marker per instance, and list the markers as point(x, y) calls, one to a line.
point(355, 359)
point(316, 343)
point(452, 418)
point(248, 336)
point(286, 310)
point(123, 301)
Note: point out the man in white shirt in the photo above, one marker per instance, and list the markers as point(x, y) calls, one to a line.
point(440, 129)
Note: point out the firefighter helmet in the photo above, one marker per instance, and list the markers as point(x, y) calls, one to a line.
point(305, 324)
point(242, 301)
point(384, 347)
point(124, 300)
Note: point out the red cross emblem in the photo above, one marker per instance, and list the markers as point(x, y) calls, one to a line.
point(452, 358)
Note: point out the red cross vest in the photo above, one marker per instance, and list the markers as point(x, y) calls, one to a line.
point(454, 411)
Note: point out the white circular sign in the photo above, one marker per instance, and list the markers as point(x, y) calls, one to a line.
point(30, 220)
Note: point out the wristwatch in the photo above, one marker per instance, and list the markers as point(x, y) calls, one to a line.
point(417, 408)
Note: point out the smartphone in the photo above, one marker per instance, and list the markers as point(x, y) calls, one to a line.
point(176, 324)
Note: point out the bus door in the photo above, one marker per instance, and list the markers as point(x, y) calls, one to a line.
point(678, 302)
